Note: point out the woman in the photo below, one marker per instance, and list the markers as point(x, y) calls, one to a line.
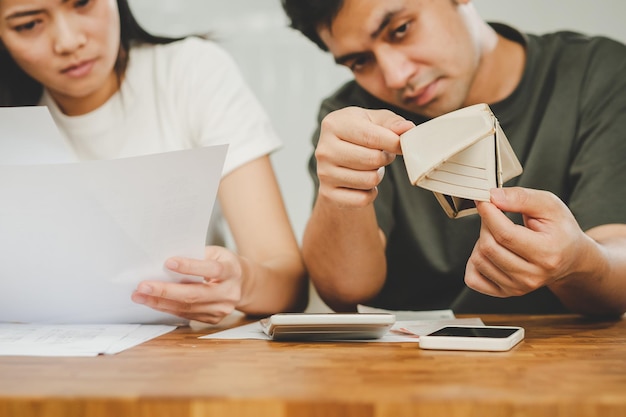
point(116, 91)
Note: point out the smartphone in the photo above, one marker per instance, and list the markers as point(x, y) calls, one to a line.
point(327, 326)
point(486, 338)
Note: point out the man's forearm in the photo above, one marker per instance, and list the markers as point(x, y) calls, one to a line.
point(601, 289)
point(344, 254)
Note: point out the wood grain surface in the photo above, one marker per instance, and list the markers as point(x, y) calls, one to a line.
point(567, 366)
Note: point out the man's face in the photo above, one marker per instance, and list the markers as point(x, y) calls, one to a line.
point(420, 55)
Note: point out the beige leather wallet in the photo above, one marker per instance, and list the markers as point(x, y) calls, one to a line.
point(459, 156)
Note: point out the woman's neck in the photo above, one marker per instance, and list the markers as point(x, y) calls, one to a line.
point(76, 106)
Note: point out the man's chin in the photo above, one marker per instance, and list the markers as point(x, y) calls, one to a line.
point(432, 109)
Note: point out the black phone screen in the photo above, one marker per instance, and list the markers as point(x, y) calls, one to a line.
point(491, 332)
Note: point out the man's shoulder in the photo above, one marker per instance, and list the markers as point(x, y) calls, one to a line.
point(579, 44)
point(579, 56)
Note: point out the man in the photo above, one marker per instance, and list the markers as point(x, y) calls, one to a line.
point(553, 240)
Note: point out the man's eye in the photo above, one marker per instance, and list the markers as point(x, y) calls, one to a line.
point(358, 64)
point(82, 3)
point(400, 32)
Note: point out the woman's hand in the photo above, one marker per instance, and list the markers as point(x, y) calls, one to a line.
point(208, 301)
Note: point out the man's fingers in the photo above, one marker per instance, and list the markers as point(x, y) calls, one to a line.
point(478, 282)
point(374, 129)
point(508, 234)
point(530, 203)
point(391, 121)
point(348, 155)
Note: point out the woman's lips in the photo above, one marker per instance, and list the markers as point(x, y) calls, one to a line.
point(79, 70)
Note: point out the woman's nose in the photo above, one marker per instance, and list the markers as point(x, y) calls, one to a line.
point(69, 36)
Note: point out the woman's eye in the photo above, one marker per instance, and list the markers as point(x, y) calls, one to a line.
point(25, 27)
point(82, 3)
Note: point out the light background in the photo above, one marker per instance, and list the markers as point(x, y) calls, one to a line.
point(290, 75)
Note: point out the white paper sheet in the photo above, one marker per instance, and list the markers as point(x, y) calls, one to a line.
point(77, 238)
point(28, 135)
point(416, 328)
point(401, 331)
point(74, 340)
point(410, 314)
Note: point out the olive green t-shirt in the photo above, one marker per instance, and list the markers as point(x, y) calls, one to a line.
point(566, 122)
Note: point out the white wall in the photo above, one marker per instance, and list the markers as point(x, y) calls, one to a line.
point(599, 17)
point(290, 75)
point(287, 72)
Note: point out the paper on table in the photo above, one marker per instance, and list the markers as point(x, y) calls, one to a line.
point(255, 331)
point(410, 314)
point(141, 334)
point(402, 331)
point(412, 324)
point(74, 340)
point(77, 238)
point(416, 328)
point(247, 331)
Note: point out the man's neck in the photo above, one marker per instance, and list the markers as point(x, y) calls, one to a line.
point(500, 71)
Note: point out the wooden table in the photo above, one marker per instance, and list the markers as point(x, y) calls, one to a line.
point(566, 367)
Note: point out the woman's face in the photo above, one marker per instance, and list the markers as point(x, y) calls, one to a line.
point(69, 46)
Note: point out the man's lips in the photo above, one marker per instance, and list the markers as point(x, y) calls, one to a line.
point(422, 95)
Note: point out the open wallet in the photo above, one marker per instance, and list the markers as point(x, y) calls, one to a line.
point(459, 156)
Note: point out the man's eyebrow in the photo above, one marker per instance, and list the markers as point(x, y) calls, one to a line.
point(383, 24)
point(341, 60)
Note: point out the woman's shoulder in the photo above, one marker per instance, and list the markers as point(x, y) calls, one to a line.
point(194, 49)
point(181, 65)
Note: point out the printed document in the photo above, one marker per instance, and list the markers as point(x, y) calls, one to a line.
point(77, 237)
point(74, 339)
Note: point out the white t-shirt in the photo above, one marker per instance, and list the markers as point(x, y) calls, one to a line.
point(181, 95)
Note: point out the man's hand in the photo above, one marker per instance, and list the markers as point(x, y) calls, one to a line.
point(354, 147)
point(512, 260)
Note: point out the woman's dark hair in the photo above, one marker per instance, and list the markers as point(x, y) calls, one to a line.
point(18, 89)
point(309, 16)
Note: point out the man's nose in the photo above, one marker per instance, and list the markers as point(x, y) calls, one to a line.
point(396, 67)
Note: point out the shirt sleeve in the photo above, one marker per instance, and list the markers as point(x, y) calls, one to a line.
point(218, 105)
point(598, 169)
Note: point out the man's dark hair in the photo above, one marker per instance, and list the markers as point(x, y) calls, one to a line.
point(309, 16)
point(18, 89)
